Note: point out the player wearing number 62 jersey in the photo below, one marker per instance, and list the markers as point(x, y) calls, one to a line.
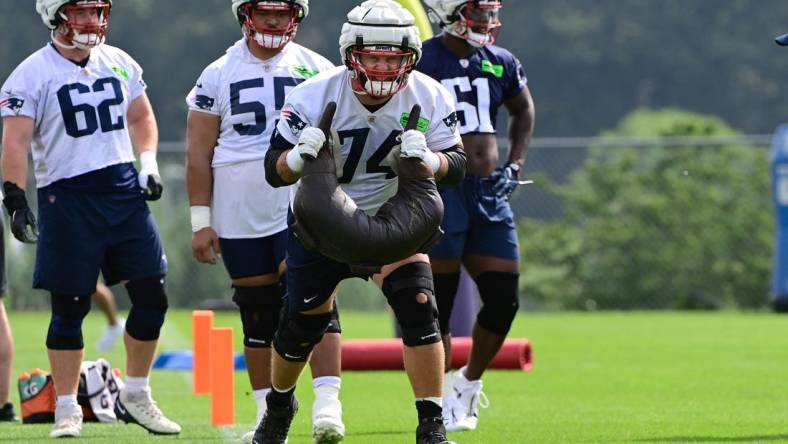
point(233, 109)
point(81, 106)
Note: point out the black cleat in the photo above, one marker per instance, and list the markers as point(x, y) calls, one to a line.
point(432, 431)
point(275, 424)
point(7, 413)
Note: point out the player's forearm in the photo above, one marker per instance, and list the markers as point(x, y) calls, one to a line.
point(145, 134)
point(453, 164)
point(199, 179)
point(521, 128)
point(17, 134)
point(277, 173)
point(142, 125)
point(14, 163)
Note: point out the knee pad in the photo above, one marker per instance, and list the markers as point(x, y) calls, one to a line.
point(445, 292)
point(299, 333)
point(418, 320)
point(260, 307)
point(334, 326)
point(148, 307)
point(499, 291)
point(65, 326)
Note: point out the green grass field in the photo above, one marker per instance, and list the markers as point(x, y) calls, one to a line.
point(601, 378)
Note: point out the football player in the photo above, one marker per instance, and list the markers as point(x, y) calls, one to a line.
point(81, 105)
point(233, 109)
point(479, 226)
point(374, 92)
point(6, 341)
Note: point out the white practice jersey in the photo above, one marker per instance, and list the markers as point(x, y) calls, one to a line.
point(367, 137)
point(247, 94)
point(79, 113)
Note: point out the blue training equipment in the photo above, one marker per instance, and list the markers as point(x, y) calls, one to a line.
point(184, 360)
point(779, 161)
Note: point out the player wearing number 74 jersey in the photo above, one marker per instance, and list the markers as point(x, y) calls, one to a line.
point(81, 106)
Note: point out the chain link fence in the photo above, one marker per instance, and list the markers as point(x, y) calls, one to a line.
point(609, 224)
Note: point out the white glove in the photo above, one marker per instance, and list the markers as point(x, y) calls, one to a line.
point(310, 142)
point(414, 144)
point(148, 167)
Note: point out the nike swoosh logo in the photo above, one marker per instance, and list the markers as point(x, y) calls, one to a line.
point(291, 356)
point(308, 300)
point(429, 336)
point(257, 341)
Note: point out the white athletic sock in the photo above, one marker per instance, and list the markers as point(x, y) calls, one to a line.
point(66, 400)
point(278, 390)
point(137, 384)
point(327, 381)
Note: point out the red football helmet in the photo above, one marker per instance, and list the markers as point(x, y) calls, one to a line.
point(476, 21)
point(64, 18)
point(272, 38)
point(389, 73)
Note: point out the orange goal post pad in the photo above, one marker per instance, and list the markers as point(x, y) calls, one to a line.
point(386, 354)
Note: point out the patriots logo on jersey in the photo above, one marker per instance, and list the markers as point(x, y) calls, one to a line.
point(13, 103)
point(293, 121)
point(451, 121)
point(203, 102)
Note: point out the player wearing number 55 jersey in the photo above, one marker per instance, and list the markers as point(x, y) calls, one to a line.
point(478, 220)
point(233, 109)
point(81, 106)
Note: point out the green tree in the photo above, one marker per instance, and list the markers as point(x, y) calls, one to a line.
point(664, 227)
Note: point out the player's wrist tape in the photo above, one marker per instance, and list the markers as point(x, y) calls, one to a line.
point(433, 161)
point(201, 217)
point(148, 162)
point(294, 160)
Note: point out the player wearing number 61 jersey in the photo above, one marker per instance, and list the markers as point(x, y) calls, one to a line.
point(233, 109)
point(478, 220)
point(81, 106)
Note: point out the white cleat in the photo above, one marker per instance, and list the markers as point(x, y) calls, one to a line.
point(461, 410)
point(327, 426)
point(68, 422)
point(140, 408)
point(111, 335)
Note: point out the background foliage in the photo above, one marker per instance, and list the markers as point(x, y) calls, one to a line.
point(588, 63)
point(666, 227)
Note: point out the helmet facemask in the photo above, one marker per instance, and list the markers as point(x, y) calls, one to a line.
point(270, 38)
point(73, 29)
point(477, 23)
point(388, 73)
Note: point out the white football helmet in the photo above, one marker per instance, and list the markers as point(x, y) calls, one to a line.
point(269, 37)
point(56, 16)
point(383, 29)
point(476, 21)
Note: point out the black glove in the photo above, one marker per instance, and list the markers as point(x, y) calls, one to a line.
point(23, 222)
point(154, 189)
point(505, 178)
